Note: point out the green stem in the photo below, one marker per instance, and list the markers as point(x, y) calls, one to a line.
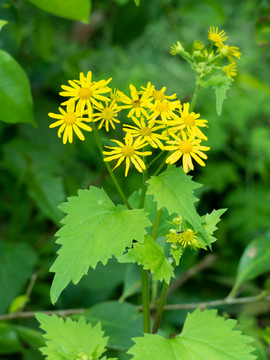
point(160, 309)
point(145, 177)
point(115, 181)
point(195, 96)
point(155, 159)
point(145, 301)
point(156, 223)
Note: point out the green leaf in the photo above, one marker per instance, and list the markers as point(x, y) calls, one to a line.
point(10, 342)
point(69, 9)
point(67, 339)
point(3, 23)
point(254, 261)
point(17, 303)
point(137, 2)
point(120, 321)
point(173, 189)
point(204, 337)
point(94, 230)
point(151, 255)
point(210, 221)
point(16, 104)
point(16, 268)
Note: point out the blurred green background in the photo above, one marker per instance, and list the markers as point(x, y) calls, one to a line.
point(131, 44)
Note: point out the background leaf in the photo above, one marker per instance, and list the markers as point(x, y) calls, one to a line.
point(204, 337)
point(69, 9)
point(16, 104)
point(152, 257)
point(95, 230)
point(66, 339)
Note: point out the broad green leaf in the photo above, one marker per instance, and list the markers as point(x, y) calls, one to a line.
point(132, 282)
point(120, 321)
point(151, 256)
point(27, 335)
point(16, 268)
point(66, 339)
point(69, 9)
point(16, 104)
point(210, 221)
point(3, 23)
point(254, 261)
point(94, 230)
point(173, 189)
point(205, 336)
point(9, 341)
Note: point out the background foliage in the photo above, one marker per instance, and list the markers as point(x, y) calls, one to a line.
point(44, 47)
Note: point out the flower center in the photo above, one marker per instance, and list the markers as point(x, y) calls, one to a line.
point(158, 95)
point(187, 236)
point(85, 93)
point(128, 150)
point(189, 120)
point(161, 107)
point(145, 131)
point(215, 37)
point(70, 118)
point(107, 114)
point(136, 103)
point(185, 147)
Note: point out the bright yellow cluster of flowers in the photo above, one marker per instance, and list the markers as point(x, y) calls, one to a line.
point(158, 121)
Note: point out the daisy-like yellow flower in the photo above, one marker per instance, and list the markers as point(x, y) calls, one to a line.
point(173, 236)
point(229, 51)
point(230, 70)
point(215, 36)
point(176, 48)
point(69, 121)
point(187, 148)
point(188, 238)
point(159, 95)
point(86, 92)
point(146, 131)
point(129, 152)
point(188, 121)
point(165, 110)
point(138, 102)
point(106, 115)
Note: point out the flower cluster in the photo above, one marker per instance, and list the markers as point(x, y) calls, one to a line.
point(155, 120)
point(206, 61)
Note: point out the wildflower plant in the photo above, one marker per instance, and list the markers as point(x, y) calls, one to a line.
point(163, 139)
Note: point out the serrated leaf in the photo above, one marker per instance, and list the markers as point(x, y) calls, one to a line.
point(69, 9)
point(210, 221)
point(66, 339)
point(254, 261)
point(151, 256)
point(16, 104)
point(173, 189)
point(204, 337)
point(94, 230)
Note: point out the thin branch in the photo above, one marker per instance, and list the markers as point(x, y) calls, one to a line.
point(206, 304)
point(207, 262)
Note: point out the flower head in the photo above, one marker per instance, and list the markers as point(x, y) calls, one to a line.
point(146, 131)
point(106, 115)
point(176, 48)
point(86, 92)
point(215, 36)
point(229, 51)
point(165, 110)
point(68, 121)
point(187, 148)
point(129, 152)
point(230, 70)
point(173, 236)
point(188, 238)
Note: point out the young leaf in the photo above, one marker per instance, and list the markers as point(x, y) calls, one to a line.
point(94, 230)
point(209, 222)
point(69, 339)
point(173, 189)
point(204, 337)
point(254, 261)
point(69, 9)
point(137, 2)
point(16, 104)
point(151, 255)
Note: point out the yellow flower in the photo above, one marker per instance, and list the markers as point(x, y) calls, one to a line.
point(230, 70)
point(215, 36)
point(138, 102)
point(146, 132)
point(165, 110)
point(187, 148)
point(106, 114)
point(188, 238)
point(176, 48)
point(86, 92)
point(198, 45)
point(68, 121)
point(129, 152)
point(229, 51)
point(159, 95)
point(189, 122)
point(173, 236)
